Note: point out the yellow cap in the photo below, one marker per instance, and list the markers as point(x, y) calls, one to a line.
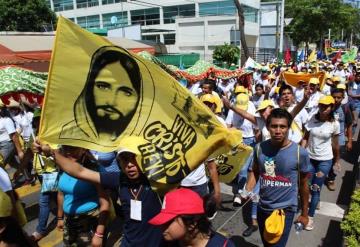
point(264, 104)
point(241, 89)
point(341, 86)
point(208, 98)
point(274, 226)
point(314, 80)
point(6, 206)
point(336, 78)
point(326, 100)
point(242, 101)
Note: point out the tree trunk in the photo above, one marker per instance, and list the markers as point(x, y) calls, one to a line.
point(240, 11)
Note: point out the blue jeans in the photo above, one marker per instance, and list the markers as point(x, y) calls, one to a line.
point(240, 180)
point(263, 215)
point(319, 169)
point(44, 211)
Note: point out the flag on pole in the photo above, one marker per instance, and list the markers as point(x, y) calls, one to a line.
point(102, 97)
point(312, 56)
point(287, 56)
point(301, 56)
point(350, 55)
point(251, 64)
point(336, 57)
point(294, 78)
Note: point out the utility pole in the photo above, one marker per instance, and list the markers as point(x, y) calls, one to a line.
point(329, 33)
point(277, 31)
point(282, 27)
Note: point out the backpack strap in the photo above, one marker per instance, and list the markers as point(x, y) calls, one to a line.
point(225, 243)
point(298, 164)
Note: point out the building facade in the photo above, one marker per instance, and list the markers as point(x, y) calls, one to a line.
point(182, 25)
point(354, 3)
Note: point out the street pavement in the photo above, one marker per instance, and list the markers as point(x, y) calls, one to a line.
point(232, 220)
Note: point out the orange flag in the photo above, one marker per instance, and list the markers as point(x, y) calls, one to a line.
point(294, 78)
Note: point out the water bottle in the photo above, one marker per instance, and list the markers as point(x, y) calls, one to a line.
point(298, 227)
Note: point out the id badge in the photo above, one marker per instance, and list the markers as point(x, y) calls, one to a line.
point(135, 210)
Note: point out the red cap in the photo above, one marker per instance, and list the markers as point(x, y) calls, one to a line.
point(178, 202)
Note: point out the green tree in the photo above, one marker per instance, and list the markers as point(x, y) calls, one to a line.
point(26, 15)
point(226, 53)
point(313, 18)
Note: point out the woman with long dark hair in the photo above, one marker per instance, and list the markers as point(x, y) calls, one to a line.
point(321, 140)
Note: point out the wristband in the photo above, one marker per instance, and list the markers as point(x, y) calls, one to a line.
point(60, 218)
point(99, 235)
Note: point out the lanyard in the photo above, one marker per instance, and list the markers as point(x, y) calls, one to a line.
point(134, 191)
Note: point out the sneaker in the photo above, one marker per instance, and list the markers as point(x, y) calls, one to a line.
point(318, 206)
point(250, 230)
point(237, 201)
point(310, 225)
point(331, 185)
point(36, 237)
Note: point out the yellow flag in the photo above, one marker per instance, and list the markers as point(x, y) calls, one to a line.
point(294, 78)
point(312, 56)
point(102, 97)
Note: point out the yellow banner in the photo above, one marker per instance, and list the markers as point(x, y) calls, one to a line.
point(102, 97)
point(294, 78)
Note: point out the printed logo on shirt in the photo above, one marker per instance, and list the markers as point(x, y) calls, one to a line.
point(269, 178)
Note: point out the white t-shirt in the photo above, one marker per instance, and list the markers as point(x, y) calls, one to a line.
point(7, 127)
point(196, 177)
point(5, 184)
point(313, 101)
point(299, 94)
point(246, 127)
point(195, 88)
point(24, 122)
point(226, 88)
point(265, 134)
point(326, 90)
point(340, 73)
point(300, 119)
point(320, 134)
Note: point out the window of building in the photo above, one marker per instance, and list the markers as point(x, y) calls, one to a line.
point(114, 20)
point(217, 8)
point(169, 39)
point(250, 14)
point(145, 16)
point(61, 5)
point(227, 8)
point(104, 2)
point(171, 12)
point(92, 21)
point(86, 3)
point(155, 38)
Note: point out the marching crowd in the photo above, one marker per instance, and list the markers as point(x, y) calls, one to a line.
point(298, 134)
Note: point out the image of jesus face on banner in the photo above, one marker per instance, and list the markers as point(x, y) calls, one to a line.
point(110, 97)
point(112, 92)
